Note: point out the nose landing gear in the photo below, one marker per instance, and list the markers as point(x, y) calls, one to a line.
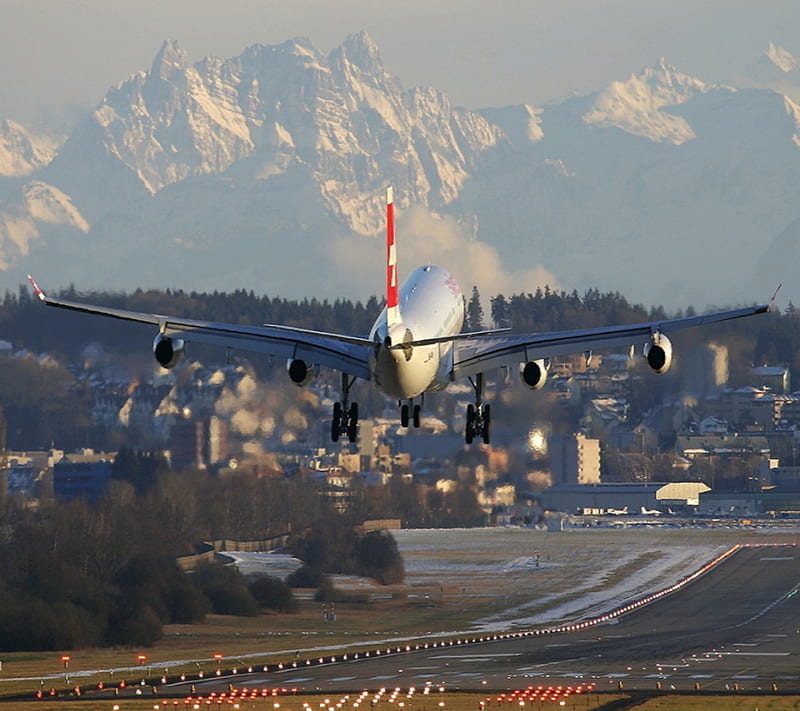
point(409, 412)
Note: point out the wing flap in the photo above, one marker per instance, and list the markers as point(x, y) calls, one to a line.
point(329, 352)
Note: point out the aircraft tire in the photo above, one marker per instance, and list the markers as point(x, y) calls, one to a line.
point(352, 425)
point(336, 421)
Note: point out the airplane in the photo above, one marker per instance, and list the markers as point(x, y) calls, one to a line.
point(416, 344)
point(649, 512)
point(618, 512)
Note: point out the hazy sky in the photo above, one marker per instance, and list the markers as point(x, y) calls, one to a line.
point(54, 53)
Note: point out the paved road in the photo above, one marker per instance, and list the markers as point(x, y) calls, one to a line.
point(738, 624)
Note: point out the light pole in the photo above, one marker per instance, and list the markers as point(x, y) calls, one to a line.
point(65, 661)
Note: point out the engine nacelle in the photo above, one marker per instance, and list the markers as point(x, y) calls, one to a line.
point(301, 372)
point(658, 353)
point(533, 374)
point(168, 351)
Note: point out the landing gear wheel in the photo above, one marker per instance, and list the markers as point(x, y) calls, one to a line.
point(470, 431)
point(352, 425)
point(404, 415)
point(336, 422)
point(487, 420)
point(416, 415)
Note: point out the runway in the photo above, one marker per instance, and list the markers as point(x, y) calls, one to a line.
point(738, 625)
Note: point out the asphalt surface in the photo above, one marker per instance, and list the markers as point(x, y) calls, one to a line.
point(737, 626)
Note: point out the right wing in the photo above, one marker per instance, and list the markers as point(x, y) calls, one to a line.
point(349, 354)
point(481, 354)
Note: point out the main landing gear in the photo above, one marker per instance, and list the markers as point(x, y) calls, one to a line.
point(345, 414)
point(409, 412)
point(479, 416)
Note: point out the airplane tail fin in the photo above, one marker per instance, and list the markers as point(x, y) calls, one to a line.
point(392, 297)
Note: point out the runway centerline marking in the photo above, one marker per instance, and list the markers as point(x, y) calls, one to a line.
point(479, 657)
point(754, 654)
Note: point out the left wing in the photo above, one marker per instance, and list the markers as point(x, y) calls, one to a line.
point(349, 354)
point(481, 354)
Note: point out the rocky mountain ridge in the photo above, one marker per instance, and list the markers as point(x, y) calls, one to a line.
point(266, 171)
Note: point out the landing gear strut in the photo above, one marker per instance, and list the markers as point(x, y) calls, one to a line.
point(409, 411)
point(345, 415)
point(479, 416)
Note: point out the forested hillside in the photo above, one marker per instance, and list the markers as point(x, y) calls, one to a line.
point(47, 396)
point(27, 324)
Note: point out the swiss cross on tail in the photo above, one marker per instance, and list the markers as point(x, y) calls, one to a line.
point(392, 300)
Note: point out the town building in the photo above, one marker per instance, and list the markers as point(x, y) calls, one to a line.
point(574, 459)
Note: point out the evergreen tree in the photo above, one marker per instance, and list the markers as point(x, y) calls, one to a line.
point(474, 311)
point(500, 314)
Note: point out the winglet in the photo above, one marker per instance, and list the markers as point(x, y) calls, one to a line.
point(771, 304)
point(392, 298)
point(36, 289)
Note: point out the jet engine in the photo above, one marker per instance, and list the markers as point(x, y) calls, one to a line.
point(168, 351)
point(658, 353)
point(301, 372)
point(533, 374)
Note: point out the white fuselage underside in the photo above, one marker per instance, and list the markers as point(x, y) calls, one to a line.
point(431, 306)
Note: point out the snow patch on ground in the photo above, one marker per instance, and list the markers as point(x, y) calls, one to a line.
point(278, 565)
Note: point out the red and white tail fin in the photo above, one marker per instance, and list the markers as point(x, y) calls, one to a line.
point(392, 298)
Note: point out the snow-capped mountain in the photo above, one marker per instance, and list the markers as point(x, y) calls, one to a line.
point(21, 151)
point(265, 171)
point(782, 59)
point(662, 186)
point(777, 69)
point(639, 105)
point(266, 111)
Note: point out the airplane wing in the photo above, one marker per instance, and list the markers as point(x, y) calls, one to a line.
point(349, 354)
point(481, 354)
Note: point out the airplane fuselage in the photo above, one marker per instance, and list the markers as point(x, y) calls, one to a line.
point(431, 306)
